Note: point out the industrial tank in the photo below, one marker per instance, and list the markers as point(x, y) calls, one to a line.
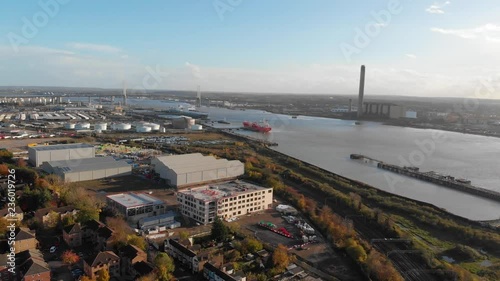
point(143, 129)
point(196, 127)
point(154, 127)
point(82, 126)
point(101, 127)
point(122, 126)
point(69, 126)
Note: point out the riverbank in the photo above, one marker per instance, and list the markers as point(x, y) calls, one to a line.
point(375, 214)
point(399, 123)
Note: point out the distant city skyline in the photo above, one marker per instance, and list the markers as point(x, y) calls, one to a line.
point(410, 48)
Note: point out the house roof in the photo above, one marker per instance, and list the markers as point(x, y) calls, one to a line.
point(143, 268)
point(181, 248)
point(23, 233)
point(60, 146)
point(105, 232)
point(31, 262)
point(43, 212)
point(131, 251)
point(93, 225)
point(101, 258)
point(5, 211)
point(72, 228)
point(218, 272)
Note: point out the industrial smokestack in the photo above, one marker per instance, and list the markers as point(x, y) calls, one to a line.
point(124, 93)
point(361, 91)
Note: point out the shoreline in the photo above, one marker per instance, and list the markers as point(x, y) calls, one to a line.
point(390, 122)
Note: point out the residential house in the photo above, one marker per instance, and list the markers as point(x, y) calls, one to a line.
point(142, 268)
point(181, 253)
point(213, 273)
point(130, 255)
point(25, 240)
point(103, 241)
point(5, 274)
point(72, 235)
point(43, 215)
point(18, 214)
point(30, 266)
point(89, 231)
point(103, 260)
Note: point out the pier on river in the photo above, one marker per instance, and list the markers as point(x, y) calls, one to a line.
point(433, 177)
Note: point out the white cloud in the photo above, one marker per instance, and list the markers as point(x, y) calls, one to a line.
point(94, 47)
point(437, 8)
point(411, 56)
point(490, 32)
point(195, 70)
point(54, 67)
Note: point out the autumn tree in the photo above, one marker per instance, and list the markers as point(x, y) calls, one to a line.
point(183, 235)
point(69, 257)
point(137, 241)
point(250, 245)
point(4, 170)
point(355, 251)
point(103, 275)
point(86, 278)
point(68, 220)
point(165, 266)
point(3, 226)
point(53, 219)
point(149, 277)
point(280, 258)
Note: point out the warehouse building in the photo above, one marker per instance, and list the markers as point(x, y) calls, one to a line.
point(59, 152)
point(135, 206)
point(88, 168)
point(192, 169)
point(227, 200)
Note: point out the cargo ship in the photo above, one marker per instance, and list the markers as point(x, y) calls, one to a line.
point(257, 127)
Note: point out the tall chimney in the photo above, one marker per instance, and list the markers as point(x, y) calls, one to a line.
point(361, 91)
point(124, 93)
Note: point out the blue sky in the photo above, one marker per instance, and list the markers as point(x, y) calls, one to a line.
point(427, 48)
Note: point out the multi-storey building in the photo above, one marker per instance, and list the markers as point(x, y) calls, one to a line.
point(226, 200)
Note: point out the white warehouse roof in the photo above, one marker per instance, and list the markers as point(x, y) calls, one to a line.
point(86, 164)
point(129, 200)
point(191, 169)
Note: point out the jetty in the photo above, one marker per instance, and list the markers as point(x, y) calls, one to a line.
point(458, 184)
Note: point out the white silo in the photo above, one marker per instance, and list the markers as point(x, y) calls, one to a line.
point(82, 126)
point(69, 126)
point(122, 126)
point(143, 129)
point(101, 126)
point(196, 127)
point(154, 127)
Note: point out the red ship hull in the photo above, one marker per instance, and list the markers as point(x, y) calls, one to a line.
point(253, 126)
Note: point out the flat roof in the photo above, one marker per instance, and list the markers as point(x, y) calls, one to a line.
point(221, 190)
point(87, 164)
point(185, 163)
point(131, 199)
point(61, 146)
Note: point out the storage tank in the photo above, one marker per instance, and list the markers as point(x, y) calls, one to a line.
point(196, 127)
point(69, 126)
point(154, 127)
point(122, 126)
point(143, 129)
point(163, 130)
point(82, 126)
point(183, 122)
point(101, 127)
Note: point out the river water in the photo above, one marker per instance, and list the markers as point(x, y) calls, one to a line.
point(328, 143)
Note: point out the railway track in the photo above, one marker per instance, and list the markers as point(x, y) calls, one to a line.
point(410, 265)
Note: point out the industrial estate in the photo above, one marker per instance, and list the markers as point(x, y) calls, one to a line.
point(107, 190)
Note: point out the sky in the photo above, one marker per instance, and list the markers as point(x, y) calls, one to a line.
point(410, 48)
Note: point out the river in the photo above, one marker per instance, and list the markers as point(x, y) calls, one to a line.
point(328, 143)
